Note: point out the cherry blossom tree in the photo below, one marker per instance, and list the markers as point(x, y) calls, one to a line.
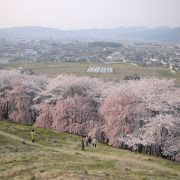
point(119, 111)
point(44, 119)
point(64, 85)
point(74, 114)
point(130, 108)
point(17, 92)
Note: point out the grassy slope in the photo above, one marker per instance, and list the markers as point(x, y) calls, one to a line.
point(58, 156)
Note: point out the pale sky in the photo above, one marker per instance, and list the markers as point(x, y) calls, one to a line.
point(78, 14)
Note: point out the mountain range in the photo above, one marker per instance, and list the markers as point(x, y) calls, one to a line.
point(159, 34)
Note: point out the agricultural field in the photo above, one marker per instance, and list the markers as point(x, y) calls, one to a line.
point(100, 69)
point(58, 156)
point(119, 70)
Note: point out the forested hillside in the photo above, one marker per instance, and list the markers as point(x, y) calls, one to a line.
point(141, 115)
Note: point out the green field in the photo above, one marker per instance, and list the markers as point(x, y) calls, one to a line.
point(59, 156)
point(120, 70)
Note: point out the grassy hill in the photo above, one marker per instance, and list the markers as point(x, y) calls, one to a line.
point(59, 156)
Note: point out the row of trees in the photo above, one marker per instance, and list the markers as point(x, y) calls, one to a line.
point(141, 115)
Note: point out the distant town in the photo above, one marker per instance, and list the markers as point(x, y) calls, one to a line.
point(137, 53)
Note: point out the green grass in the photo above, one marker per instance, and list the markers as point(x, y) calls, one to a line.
point(165, 73)
point(120, 70)
point(59, 156)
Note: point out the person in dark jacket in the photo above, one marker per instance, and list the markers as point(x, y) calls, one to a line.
point(89, 140)
point(82, 145)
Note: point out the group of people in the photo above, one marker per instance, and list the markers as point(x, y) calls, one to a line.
point(88, 142)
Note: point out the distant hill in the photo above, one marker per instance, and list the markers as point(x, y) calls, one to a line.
point(159, 34)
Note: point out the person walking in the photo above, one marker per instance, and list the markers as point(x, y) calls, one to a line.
point(33, 136)
point(86, 141)
point(82, 145)
point(94, 142)
point(89, 141)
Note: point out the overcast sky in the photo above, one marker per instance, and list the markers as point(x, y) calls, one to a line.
point(74, 14)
